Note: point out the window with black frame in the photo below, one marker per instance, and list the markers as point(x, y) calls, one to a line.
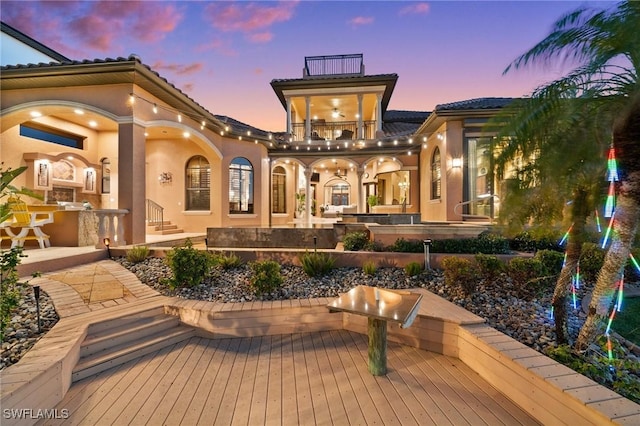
point(278, 190)
point(436, 175)
point(198, 183)
point(240, 186)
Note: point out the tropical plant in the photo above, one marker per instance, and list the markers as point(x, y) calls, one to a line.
point(605, 46)
point(317, 263)
point(412, 269)
point(137, 254)
point(369, 267)
point(9, 260)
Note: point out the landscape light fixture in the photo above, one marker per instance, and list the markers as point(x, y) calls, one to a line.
point(36, 291)
point(106, 243)
point(427, 256)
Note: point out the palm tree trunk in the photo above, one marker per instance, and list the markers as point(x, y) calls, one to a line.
point(626, 139)
point(579, 212)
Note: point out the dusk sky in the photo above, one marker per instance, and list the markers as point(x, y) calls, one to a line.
point(225, 54)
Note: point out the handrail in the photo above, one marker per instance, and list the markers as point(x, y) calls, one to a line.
point(473, 216)
point(155, 214)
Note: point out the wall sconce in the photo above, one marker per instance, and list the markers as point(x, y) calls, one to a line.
point(456, 163)
point(165, 177)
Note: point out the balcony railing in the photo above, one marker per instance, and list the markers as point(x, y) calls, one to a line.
point(339, 130)
point(315, 66)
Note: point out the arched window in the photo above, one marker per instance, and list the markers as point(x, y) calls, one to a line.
point(278, 190)
point(240, 186)
point(436, 175)
point(198, 183)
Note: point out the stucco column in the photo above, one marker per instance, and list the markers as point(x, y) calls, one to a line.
point(307, 204)
point(288, 116)
point(131, 180)
point(307, 121)
point(361, 202)
point(360, 124)
point(379, 112)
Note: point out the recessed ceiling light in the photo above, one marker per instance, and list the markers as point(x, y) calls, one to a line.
point(36, 114)
point(186, 134)
point(92, 123)
point(78, 111)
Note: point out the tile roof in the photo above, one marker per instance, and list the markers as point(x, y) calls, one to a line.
point(405, 116)
point(477, 103)
point(241, 128)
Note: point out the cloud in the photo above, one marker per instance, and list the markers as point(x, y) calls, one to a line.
point(178, 69)
point(361, 20)
point(252, 19)
point(258, 71)
point(217, 45)
point(260, 37)
point(415, 9)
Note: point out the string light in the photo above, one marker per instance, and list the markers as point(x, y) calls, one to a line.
point(155, 108)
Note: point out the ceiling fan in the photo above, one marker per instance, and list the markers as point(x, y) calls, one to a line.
point(336, 113)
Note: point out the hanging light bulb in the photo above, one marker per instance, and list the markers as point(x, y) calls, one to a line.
point(155, 108)
point(132, 98)
point(179, 118)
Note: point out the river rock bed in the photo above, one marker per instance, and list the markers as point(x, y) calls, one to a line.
point(22, 332)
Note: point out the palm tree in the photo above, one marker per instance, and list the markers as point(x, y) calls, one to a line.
point(564, 167)
point(604, 45)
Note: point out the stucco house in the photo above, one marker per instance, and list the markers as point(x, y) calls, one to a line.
point(117, 135)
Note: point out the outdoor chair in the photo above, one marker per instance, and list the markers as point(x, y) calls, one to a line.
point(26, 221)
point(346, 134)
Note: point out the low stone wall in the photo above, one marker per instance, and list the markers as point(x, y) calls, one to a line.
point(325, 238)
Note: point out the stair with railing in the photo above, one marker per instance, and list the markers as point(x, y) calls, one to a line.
point(156, 223)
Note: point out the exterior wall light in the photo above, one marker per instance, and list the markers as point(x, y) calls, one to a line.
point(456, 163)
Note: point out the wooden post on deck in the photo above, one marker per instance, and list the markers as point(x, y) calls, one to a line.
point(377, 346)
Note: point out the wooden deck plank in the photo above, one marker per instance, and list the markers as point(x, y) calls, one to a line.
point(275, 378)
point(178, 384)
point(196, 377)
point(347, 394)
point(238, 413)
point(319, 401)
point(196, 405)
point(309, 378)
point(116, 404)
point(304, 401)
point(331, 390)
point(258, 405)
point(124, 407)
point(234, 382)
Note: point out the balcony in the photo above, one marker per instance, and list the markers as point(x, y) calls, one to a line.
point(330, 131)
point(321, 66)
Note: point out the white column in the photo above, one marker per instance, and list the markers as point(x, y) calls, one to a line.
point(360, 126)
point(361, 201)
point(379, 112)
point(288, 116)
point(307, 205)
point(307, 127)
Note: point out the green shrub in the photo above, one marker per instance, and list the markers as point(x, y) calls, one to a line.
point(228, 261)
point(591, 260)
point(461, 273)
point(266, 276)
point(369, 267)
point(9, 295)
point(536, 239)
point(407, 246)
point(355, 241)
point(524, 270)
point(317, 263)
point(189, 265)
point(551, 261)
point(412, 269)
point(137, 254)
point(489, 265)
point(487, 243)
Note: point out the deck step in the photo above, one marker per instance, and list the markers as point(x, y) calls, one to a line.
point(120, 340)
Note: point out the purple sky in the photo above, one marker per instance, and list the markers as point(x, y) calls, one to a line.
point(225, 54)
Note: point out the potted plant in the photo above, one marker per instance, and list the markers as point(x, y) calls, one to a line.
point(372, 200)
point(300, 200)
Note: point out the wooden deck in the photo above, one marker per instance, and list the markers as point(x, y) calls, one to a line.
point(292, 379)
